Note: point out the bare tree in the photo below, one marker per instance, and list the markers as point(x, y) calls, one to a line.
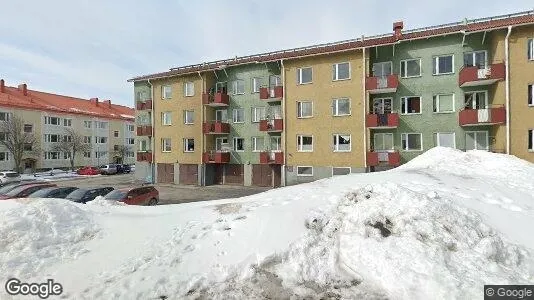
point(121, 151)
point(72, 142)
point(18, 142)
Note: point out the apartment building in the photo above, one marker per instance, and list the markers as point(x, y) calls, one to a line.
point(103, 125)
point(362, 105)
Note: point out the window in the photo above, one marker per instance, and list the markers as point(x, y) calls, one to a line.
point(189, 89)
point(304, 75)
point(28, 128)
point(189, 145)
point(51, 120)
point(336, 171)
point(410, 68)
point(341, 143)
point(304, 143)
point(256, 84)
point(239, 144)
point(87, 124)
point(341, 107)
point(304, 171)
point(258, 144)
point(276, 143)
point(4, 156)
point(411, 141)
point(87, 154)
point(115, 147)
point(52, 138)
point(143, 145)
point(6, 116)
point(221, 144)
point(530, 94)
point(274, 80)
point(66, 155)
point(101, 140)
point(130, 127)
point(28, 147)
point(166, 118)
point(383, 141)
point(531, 139)
point(87, 139)
point(67, 138)
point(476, 58)
point(238, 87)
point(258, 113)
point(410, 105)
point(382, 69)
point(189, 117)
point(476, 100)
point(221, 115)
point(166, 92)
point(2, 136)
point(382, 105)
point(443, 65)
point(341, 71)
point(445, 139)
point(67, 122)
point(100, 154)
point(116, 133)
point(101, 125)
point(166, 145)
point(304, 109)
point(530, 49)
point(239, 115)
point(141, 96)
point(443, 103)
point(52, 155)
point(130, 141)
point(130, 154)
point(476, 140)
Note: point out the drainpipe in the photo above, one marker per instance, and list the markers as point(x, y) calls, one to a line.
point(284, 117)
point(202, 136)
point(364, 97)
point(153, 142)
point(507, 65)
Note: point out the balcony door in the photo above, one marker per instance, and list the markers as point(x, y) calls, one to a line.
point(221, 144)
point(274, 112)
point(221, 87)
point(221, 115)
point(382, 106)
point(382, 69)
point(276, 144)
point(476, 140)
point(476, 58)
point(476, 100)
point(383, 144)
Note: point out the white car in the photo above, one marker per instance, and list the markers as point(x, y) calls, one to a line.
point(9, 176)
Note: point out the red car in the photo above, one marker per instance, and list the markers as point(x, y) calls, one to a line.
point(145, 195)
point(24, 191)
point(88, 171)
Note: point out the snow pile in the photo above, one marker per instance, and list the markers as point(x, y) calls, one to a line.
point(51, 230)
point(101, 201)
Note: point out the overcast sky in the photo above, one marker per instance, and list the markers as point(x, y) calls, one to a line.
point(90, 48)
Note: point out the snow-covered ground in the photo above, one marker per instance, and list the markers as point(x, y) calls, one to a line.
point(439, 227)
point(53, 175)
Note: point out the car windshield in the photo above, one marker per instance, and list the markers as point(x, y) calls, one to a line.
point(77, 194)
point(7, 188)
point(13, 174)
point(41, 193)
point(116, 195)
point(17, 190)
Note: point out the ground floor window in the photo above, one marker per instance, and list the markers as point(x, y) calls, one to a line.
point(476, 140)
point(4, 156)
point(304, 171)
point(340, 171)
point(412, 141)
point(445, 139)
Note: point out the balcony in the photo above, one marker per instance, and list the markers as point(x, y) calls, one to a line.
point(272, 125)
point(143, 105)
point(272, 94)
point(382, 84)
point(481, 117)
point(473, 76)
point(384, 158)
point(217, 99)
point(145, 130)
point(382, 121)
point(215, 127)
point(215, 157)
point(272, 157)
point(144, 156)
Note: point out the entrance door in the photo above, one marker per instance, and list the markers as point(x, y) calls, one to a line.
point(277, 175)
point(476, 140)
point(476, 100)
point(218, 173)
point(382, 105)
point(165, 173)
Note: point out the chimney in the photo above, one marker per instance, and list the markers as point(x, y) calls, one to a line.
point(397, 29)
point(2, 86)
point(23, 88)
point(94, 101)
point(107, 103)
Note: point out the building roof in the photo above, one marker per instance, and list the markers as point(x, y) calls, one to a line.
point(466, 26)
point(14, 97)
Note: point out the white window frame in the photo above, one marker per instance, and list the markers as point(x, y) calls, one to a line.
point(235, 114)
point(530, 49)
point(234, 144)
point(6, 116)
point(335, 71)
point(335, 105)
point(185, 141)
point(405, 61)
point(260, 117)
point(436, 139)
point(404, 104)
point(278, 143)
point(224, 113)
point(255, 145)
point(299, 75)
point(192, 112)
point(436, 99)
point(130, 141)
point(299, 110)
point(131, 127)
point(530, 134)
point(143, 145)
point(164, 120)
point(473, 56)
point(87, 154)
point(255, 84)
point(383, 134)
point(530, 94)
point(189, 89)
point(164, 144)
point(300, 139)
point(222, 139)
point(382, 64)
point(304, 175)
point(67, 122)
point(350, 170)
point(235, 86)
point(407, 134)
point(48, 120)
point(435, 65)
point(486, 102)
point(336, 145)
point(6, 156)
point(88, 124)
point(477, 132)
point(166, 89)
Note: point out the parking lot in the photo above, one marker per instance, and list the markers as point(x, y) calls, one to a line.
point(168, 193)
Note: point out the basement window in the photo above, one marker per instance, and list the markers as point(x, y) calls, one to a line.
point(336, 171)
point(304, 171)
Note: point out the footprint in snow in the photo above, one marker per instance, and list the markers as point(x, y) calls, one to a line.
point(222, 253)
point(189, 248)
point(240, 218)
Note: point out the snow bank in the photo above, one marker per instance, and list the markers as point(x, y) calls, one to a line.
point(101, 201)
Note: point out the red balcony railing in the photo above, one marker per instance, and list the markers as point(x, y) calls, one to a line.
point(382, 84)
point(215, 127)
point(391, 159)
point(143, 105)
point(488, 116)
point(145, 130)
point(382, 120)
point(272, 125)
point(272, 157)
point(217, 99)
point(272, 94)
point(473, 76)
point(144, 156)
point(214, 157)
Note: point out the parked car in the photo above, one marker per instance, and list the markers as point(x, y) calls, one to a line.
point(9, 176)
point(53, 192)
point(88, 170)
point(7, 187)
point(84, 195)
point(25, 190)
point(146, 195)
point(123, 168)
point(108, 169)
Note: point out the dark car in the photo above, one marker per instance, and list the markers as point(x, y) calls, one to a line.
point(121, 169)
point(53, 192)
point(85, 195)
point(23, 191)
point(146, 195)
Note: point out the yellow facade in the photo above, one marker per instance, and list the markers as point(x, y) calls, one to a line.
point(323, 125)
point(497, 92)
